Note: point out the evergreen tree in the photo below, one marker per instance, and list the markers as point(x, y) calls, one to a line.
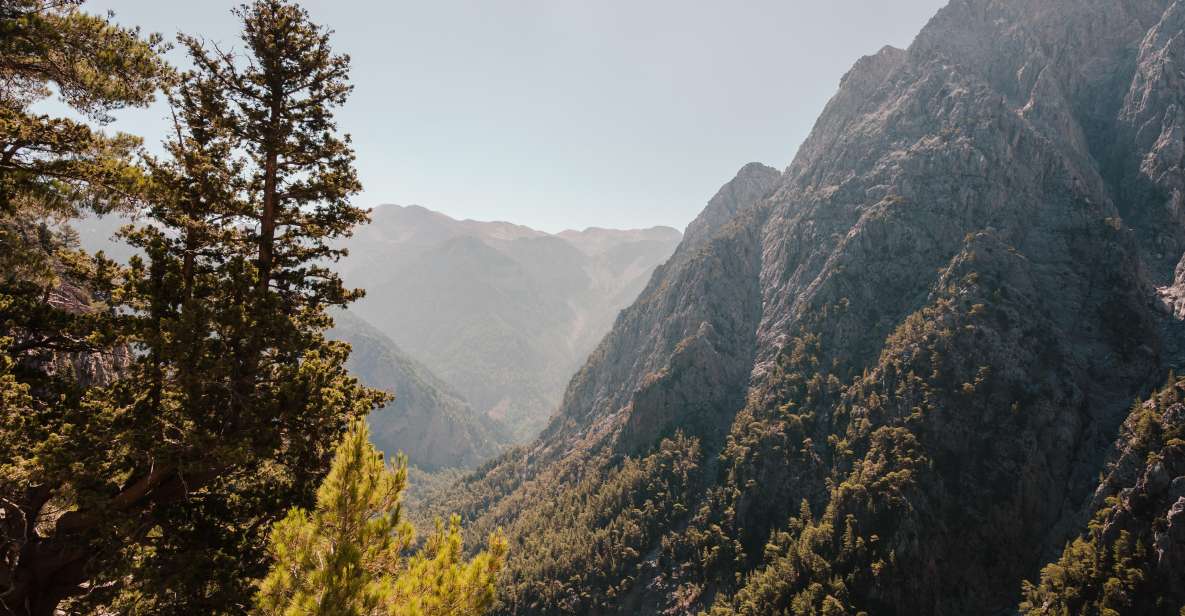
point(345, 558)
point(151, 489)
point(58, 165)
point(57, 332)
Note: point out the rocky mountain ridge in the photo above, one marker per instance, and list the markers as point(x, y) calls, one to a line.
point(886, 380)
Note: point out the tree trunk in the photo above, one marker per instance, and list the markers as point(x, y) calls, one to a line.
point(267, 226)
point(51, 569)
point(45, 576)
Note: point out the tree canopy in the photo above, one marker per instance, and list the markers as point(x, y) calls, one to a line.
point(159, 416)
point(346, 556)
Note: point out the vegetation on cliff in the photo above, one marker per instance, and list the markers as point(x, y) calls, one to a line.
point(1131, 559)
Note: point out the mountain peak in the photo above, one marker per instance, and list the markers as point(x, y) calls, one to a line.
point(597, 240)
point(752, 182)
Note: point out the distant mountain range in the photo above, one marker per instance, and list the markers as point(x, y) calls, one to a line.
point(476, 326)
point(503, 313)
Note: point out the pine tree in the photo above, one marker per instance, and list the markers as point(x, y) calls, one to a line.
point(231, 306)
point(58, 165)
point(345, 558)
point(301, 171)
point(56, 329)
point(151, 490)
point(297, 174)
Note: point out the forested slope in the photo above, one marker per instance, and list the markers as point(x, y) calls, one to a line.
point(888, 381)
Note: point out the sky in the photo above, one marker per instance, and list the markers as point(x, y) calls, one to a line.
point(564, 114)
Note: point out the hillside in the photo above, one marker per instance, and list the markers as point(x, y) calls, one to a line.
point(503, 313)
point(888, 379)
point(428, 422)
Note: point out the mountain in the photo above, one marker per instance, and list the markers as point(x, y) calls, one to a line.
point(888, 379)
point(434, 426)
point(503, 313)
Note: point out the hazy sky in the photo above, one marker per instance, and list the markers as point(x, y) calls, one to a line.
point(558, 113)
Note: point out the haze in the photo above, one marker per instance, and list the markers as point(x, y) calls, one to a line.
point(560, 114)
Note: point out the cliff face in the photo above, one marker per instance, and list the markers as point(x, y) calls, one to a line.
point(699, 312)
point(889, 383)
